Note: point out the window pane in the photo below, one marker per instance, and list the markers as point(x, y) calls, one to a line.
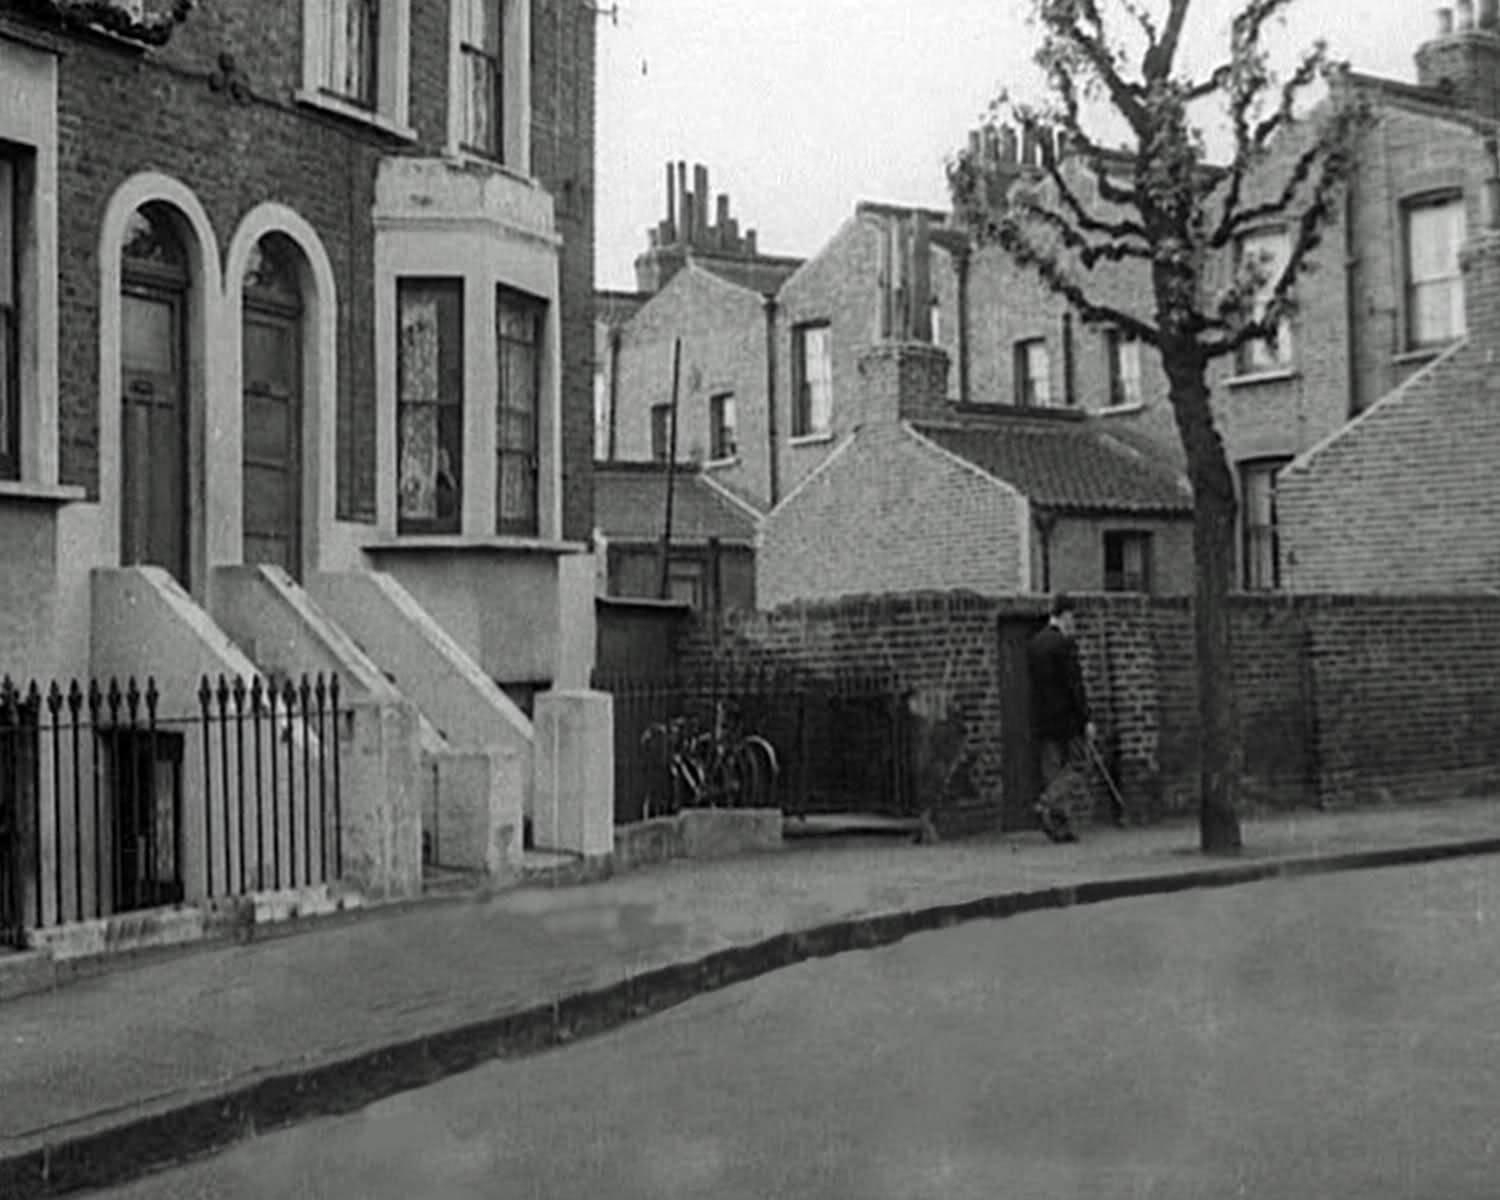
point(518, 324)
point(429, 426)
point(1435, 298)
point(481, 103)
point(8, 248)
point(419, 462)
point(10, 323)
point(350, 49)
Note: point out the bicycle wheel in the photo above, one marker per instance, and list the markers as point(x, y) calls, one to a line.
point(756, 769)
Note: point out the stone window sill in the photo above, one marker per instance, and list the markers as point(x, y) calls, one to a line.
point(28, 492)
point(1254, 378)
point(1119, 410)
point(338, 107)
point(1424, 354)
point(461, 543)
point(810, 439)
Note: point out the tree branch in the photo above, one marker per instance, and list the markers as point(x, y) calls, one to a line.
point(1090, 252)
point(1056, 277)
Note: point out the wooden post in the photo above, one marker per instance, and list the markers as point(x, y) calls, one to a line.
point(663, 580)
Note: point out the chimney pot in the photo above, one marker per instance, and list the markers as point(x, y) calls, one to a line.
point(1445, 21)
point(1465, 12)
point(1489, 14)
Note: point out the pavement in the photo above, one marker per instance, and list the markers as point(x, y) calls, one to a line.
point(168, 1057)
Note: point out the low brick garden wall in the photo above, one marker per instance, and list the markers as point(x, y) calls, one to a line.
point(1344, 700)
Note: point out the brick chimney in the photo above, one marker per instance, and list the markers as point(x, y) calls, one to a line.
point(696, 221)
point(1463, 58)
point(901, 381)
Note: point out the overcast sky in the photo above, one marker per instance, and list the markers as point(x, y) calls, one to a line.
point(802, 108)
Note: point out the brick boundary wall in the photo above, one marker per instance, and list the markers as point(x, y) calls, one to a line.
point(1344, 700)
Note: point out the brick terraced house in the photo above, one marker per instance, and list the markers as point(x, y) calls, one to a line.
point(1385, 300)
point(296, 341)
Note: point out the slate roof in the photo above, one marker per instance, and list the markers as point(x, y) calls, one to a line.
point(630, 505)
point(1067, 465)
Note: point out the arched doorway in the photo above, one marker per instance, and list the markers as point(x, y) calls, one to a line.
point(154, 419)
point(273, 405)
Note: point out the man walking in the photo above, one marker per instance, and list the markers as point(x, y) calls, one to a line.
point(1060, 717)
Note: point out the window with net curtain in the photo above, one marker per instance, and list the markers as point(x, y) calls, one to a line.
point(812, 362)
point(351, 50)
point(481, 82)
point(429, 405)
point(1434, 228)
point(520, 320)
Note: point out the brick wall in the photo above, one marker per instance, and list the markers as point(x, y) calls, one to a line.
point(122, 110)
point(1069, 557)
point(1343, 700)
point(891, 512)
point(722, 328)
point(563, 38)
point(1388, 505)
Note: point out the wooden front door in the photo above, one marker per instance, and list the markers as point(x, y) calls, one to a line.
point(272, 503)
point(154, 432)
point(1021, 772)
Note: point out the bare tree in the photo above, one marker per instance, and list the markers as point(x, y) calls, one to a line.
point(1156, 206)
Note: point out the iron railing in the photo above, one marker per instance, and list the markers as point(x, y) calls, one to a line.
point(107, 805)
point(841, 743)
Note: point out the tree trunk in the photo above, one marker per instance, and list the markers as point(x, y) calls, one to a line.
point(1213, 549)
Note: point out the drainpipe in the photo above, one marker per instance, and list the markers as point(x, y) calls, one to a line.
point(1351, 300)
point(1045, 522)
point(962, 264)
point(1070, 391)
point(614, 393)
point(773, 477)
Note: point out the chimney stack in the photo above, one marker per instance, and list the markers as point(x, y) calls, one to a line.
point(1489, 15)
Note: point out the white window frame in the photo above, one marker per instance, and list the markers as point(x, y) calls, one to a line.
point(722, 416)
point(392, 67)
point(1262, 357)
point(28, 123)
point(1449, 276)
point(812, 391)
point(515, 98)
point(1260, 533)
point(1123, 361)
point(1033, 385)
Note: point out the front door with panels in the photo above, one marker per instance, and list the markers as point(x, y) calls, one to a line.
point(154, 416)
point(272, 462)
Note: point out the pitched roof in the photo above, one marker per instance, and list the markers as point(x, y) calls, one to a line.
point(1069, 465)
point(761, 274)
point(630, 505)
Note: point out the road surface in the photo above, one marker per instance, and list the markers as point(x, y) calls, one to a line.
point(1318, 1039)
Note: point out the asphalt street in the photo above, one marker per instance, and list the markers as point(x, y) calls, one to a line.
point(1330, 1037)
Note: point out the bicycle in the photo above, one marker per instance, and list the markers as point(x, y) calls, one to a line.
point(715, 764)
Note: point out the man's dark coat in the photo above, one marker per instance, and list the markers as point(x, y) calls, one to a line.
point(1059, 706)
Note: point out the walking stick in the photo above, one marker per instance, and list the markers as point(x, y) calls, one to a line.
point(1117, 801)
